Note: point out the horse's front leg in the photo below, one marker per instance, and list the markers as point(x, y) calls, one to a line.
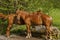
point(28, 31)
point(10, 22)
point(28, 23)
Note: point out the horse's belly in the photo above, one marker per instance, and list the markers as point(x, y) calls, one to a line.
point(36, 22)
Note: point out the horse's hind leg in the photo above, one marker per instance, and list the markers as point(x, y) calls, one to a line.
point(8, 31)
point(10, 22)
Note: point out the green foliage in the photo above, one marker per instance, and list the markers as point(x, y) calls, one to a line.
point(8, 6)
point(55, 13)
point(3, 26)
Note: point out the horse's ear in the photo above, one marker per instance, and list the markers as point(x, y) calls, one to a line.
point(39, 11)
point(17, 11)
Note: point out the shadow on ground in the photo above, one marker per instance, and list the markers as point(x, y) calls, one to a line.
point(20, 35)
point(23, 33)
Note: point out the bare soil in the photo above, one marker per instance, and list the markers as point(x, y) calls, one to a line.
point(21, 36)
point(17, 37)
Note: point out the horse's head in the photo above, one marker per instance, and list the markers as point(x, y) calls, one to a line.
point(17, 11)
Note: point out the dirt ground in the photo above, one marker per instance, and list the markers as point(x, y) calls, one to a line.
point(20, 37)
point(17, 37)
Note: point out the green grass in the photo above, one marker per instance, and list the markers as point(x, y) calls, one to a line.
point(18, 27)
point(55, 13)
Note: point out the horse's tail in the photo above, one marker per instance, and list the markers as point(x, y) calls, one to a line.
point(51, 21)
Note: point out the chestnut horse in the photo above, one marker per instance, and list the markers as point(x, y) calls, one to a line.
point(36, 18)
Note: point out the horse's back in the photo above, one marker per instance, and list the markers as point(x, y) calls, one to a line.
point(36, 19)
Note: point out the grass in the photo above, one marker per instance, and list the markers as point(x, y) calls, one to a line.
point(18, 27)
point(55, 13)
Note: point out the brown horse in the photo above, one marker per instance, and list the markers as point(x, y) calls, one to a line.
point(36, 18)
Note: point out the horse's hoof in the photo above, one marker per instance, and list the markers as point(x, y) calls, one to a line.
point(28, 37)
point(48, 39)
point(51, 38)
point(8, 37)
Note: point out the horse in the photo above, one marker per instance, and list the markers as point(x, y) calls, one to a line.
point(35, 18)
